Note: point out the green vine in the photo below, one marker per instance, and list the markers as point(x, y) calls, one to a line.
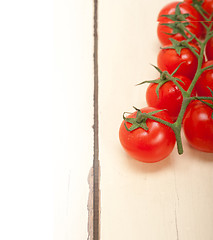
point(141, 118)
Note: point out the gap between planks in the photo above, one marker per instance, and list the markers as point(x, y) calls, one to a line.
point(94, 175)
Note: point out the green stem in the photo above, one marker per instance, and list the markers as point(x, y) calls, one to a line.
point(158, 120)
point(201, 13)
point(175, 127)
point(192, 49)
point(199, 69)
point(178, 124)
point(207, 68)
point(177, 132)
point(201, 98)
point(187, 100)
point(194, 36)
point(174, 80)
point(200, 61)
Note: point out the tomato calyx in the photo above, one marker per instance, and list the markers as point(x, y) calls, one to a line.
point(178, 16)
point(140, 120)
point(178, 22)
point(164, 78)
point(179, 45)
point(177, 27)
point(210, 67)
point(197, 4)
point(190, 51)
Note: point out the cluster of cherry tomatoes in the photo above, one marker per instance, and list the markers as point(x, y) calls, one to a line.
point(186, 50)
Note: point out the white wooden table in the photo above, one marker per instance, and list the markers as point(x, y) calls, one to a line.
point(46, 119)
point(46, 103)
point(169, 200)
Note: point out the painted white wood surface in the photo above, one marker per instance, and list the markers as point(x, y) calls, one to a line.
point(73, 85)
point(46, 105)
point(169, 200)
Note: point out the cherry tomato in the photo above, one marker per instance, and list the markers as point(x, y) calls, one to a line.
point(170, 97)
point(205, 81)
point(209, 49)
point(165, 32)
point(150, 145)
point(198, 126)
point(207, 5)
point(169, 60)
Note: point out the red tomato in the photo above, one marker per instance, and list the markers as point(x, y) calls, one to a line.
point(170, 97)
point(150, 145)
point(205, 81)
point(198, 126)
point(209, 49)
point(207, 5)
point(169, 60)
point(194, 26)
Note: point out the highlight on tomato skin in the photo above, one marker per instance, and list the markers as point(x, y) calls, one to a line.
point(198, 126)
point(164, 32)
point(207, 8)
point(169, 60)
point(170, 97)
point(185, 8)
point(205, 81)
point(149, 141)
point(151, 145)
point(207, 5)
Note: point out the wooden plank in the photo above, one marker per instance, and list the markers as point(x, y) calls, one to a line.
point(74, 90)
point(46, 118)
point(172, 199)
